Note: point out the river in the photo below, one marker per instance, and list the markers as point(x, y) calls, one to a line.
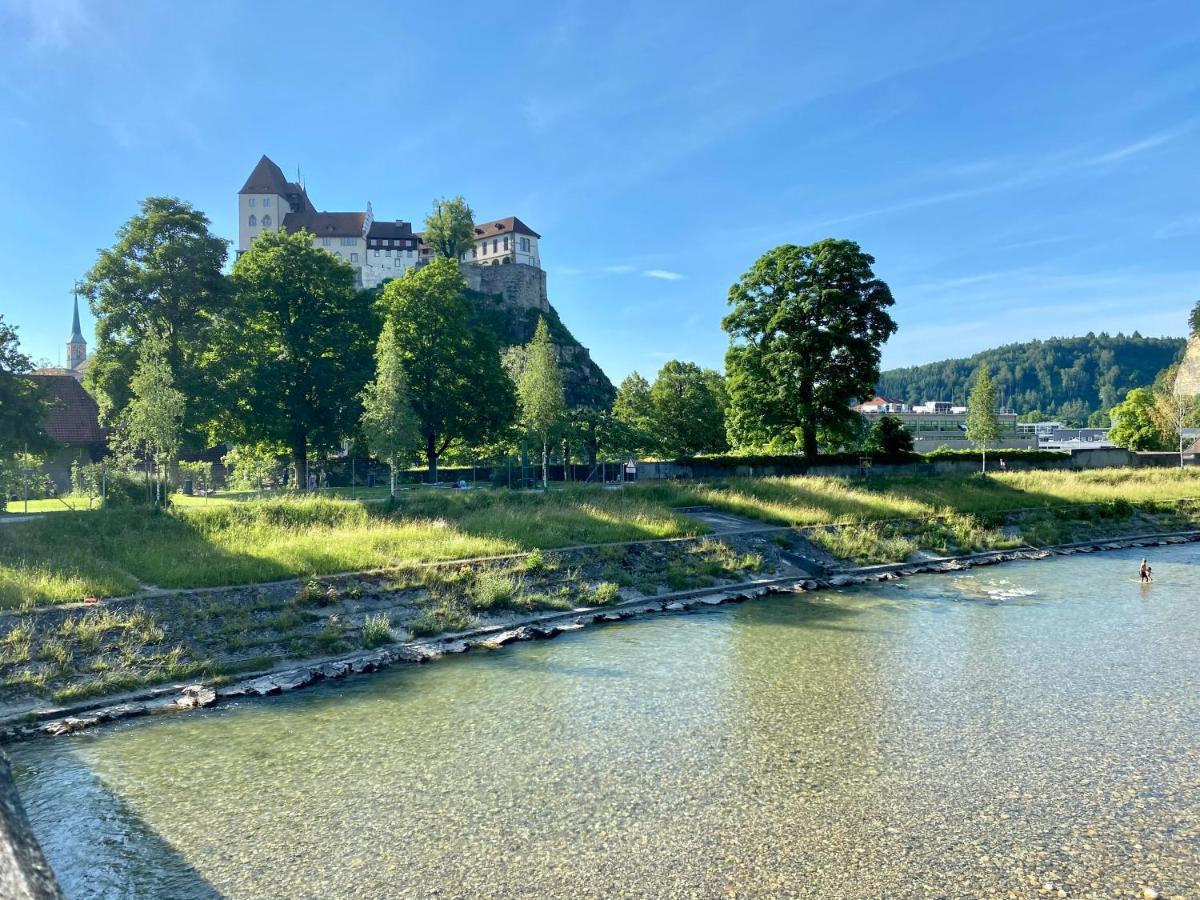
point(1028, 728)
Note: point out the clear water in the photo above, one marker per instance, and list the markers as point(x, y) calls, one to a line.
point(983, 735)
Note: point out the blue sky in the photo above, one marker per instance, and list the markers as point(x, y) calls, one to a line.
point(1018, 169)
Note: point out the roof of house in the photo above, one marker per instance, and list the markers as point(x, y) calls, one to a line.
point(72, 416)
point(390, 230)
point(326, 224)
point(510, 225)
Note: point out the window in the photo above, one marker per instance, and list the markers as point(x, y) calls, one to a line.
point(353, 257)
point(474, 253)
point(266, 201)
point(253, 201)
point(347, 242)
point(388, 252)
point(525, 244)
point(253, 221)
point(326, 242)
point(266, 221)
point(506, 242)
point(377, 253)
point(495, 245)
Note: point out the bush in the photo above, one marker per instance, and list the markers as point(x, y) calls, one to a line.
point(605, 593)
point(127, 489)
point(377, 631)
point(493, 590)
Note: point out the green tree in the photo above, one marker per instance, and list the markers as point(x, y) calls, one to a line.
point(888, 437)
point(457, 387)
point(688, 410)
point(21, 404)
point(1099, 419)
point(983, 425)
point(1194, 319)
point(295, 348)
point(599, 431)
point(540, 393)
point(153, 418)
point(1136, 423)
point(805, 333)
point(634, 409)
point(388, 421)
point(1175, 408)
point(162, 276)
point(450, 228)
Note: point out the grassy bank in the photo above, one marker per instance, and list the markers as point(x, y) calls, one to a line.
point(108, 552)
point(70, 555)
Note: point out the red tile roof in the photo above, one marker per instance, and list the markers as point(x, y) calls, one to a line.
point(72, 416)
point(510, 225)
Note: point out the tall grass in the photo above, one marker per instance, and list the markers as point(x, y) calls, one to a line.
point(108, 552)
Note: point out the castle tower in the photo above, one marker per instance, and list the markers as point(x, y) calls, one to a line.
point(76, 346)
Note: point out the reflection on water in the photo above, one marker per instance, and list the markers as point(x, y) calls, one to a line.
point(1021, 726)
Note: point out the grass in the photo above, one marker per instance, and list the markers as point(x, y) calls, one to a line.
point(224, 541)
point(377, 631)
point(108, 552)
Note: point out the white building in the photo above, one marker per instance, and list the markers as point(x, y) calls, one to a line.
point(378, 250)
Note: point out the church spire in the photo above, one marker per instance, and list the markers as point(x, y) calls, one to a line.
point(76, 346)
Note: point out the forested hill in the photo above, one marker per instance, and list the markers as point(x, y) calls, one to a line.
point(1065, 378)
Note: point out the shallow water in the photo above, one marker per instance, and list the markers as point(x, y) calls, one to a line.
point(1023, 725)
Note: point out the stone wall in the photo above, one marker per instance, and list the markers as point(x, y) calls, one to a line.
point(520, 286)
point(24, 872)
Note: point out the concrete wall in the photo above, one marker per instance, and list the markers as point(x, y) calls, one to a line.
point(24, 872)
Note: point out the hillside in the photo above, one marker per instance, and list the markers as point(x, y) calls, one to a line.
point(512, 299)
point(1065, 378)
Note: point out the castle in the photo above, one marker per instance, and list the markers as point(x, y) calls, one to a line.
point(375, 248)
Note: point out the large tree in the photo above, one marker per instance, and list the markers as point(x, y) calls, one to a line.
point(1136, 422)
point(688, 410)
point(388, 421)
point(634, 409)
point(457, 386)
point(21, 404)
point(162, 276)
point(450, 228)
point(805, 333)
point(540, 393)
point(294, 349)
point(983, 425)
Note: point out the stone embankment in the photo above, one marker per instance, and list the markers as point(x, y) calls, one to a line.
point(544, 627)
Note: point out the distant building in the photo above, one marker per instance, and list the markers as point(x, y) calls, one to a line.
point(937, 423)
point(72, 420)
point(376, 249)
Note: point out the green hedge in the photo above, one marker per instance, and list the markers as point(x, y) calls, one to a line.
point(800, 463)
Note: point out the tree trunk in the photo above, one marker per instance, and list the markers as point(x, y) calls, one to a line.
point(545, 466)
point(392, 473)
point(431, 457)
point(983, 458)
point(808, 428)
point(300, 459)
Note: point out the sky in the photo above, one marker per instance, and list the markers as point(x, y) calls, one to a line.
point(1018, 170)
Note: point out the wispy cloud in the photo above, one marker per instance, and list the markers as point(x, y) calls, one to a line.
point(50, 24)
point(1141, 146)
point(620, 269)
point(662, 274)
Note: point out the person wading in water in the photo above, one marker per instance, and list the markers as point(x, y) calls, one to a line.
point(1146, 573)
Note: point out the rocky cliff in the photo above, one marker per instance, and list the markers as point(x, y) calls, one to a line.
point(512, 298)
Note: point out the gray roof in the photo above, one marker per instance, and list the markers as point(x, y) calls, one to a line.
point(76, 334)
point(326, 224)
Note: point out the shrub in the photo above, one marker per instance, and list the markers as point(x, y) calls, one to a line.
point(330, 637)
point(446, 616)
point(493, 590)
point(535, 562)
point(605, 593)
point(128, 489)
point(376, 631)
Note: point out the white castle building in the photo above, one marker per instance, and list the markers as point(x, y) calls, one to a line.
point(377, 249)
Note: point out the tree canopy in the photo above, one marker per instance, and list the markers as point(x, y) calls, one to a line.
point(540, 393)
point(163, 276)
point(1136, 423)
point(888, 437)
point(311, 334)
point(805, 335)
point(456, 385)
point(21, 404)
point(983, 425)
point(450, 228)
point(388, 421)
point(687, 410)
